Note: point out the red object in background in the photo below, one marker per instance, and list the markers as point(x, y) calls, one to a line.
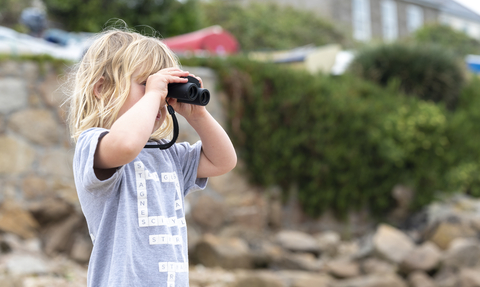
point(213, 40)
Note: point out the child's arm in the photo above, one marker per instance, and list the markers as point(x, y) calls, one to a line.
point(218, 154)
point(130, 132)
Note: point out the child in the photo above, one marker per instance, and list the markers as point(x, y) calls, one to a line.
point(133, 197)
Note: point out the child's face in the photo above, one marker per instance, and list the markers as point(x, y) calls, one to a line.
point(137, 90)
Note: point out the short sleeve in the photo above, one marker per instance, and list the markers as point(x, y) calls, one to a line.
point(85, 178)
point(189, 157)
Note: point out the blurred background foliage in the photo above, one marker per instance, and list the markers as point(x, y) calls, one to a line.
point(169, 17)
point(427, 71)
point(459, 43)
point(10, 11)
point(344, 142)
point(257, 26)
point(267, 26)
point(406, 112)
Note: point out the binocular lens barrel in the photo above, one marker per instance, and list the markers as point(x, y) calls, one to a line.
point(189, 93)
point(203, 96)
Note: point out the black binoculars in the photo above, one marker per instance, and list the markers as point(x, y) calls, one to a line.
point(190, 92)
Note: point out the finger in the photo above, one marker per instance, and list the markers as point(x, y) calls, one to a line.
point(177, 79)
point(199, 79)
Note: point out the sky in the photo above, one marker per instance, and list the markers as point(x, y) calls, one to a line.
point(474, 5)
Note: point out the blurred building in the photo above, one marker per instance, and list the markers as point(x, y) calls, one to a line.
point(389, 20)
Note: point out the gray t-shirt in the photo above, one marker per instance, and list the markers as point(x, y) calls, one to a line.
point(136, 218)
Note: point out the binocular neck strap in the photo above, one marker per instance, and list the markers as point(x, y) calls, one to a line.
point(171, 111)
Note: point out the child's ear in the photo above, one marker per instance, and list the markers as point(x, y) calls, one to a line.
point(98, 87)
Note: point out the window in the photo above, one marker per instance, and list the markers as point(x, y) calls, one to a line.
point(361, 20)
point(389, 20)
point(414, 18)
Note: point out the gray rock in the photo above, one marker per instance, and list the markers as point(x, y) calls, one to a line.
point(36, 125)
point(305, 279)
point(298, 261)
point(81, 249)
point(469, 277)
point(229, 253)
point(343, 268)
point(24, 264)
point(266, 254)
point(424, 258)
point(208, 212)
point(446, 277)
point(378, 266)
point(420, 279)
point(328, 242)
point(463, 252)
point(15, 156)
point(14, 94)
point(297, 241)
point(392, 244)
point(450, 229)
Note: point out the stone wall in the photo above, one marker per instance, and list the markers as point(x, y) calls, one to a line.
point(38, 197)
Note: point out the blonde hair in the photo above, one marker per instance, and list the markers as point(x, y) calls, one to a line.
point(115, 55)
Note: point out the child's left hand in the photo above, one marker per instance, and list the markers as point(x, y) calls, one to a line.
point(188, 111)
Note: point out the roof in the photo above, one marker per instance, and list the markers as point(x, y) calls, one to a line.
point(451, 7)
point(213, 40)
point(457, 9)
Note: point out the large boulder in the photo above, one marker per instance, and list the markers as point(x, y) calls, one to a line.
point(469, 277)
point(343, 268)
point(229, 253)
point(374, 265)
point(463, 252)
point(420, 279)
point(297, 241)
point(446, 231)
point(391, 243)
point(423, 258)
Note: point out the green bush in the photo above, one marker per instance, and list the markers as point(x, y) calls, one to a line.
point(464, 134)
point(428, 72)
point(445, 36)
point(261, 26)
point(343, 141)
point(168, 17)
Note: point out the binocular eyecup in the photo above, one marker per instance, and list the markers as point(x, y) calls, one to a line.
point(190, 92)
